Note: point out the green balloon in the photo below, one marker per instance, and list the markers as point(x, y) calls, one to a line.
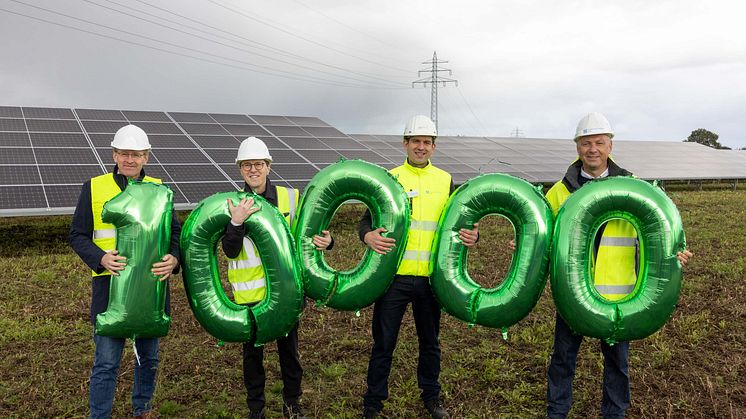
point(279, 311)
point(525, 207)
point(141, 214)
point(389, 207)
point(661, 235)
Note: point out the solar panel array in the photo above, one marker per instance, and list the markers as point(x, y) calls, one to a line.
point(47, 153)
point(546, 160)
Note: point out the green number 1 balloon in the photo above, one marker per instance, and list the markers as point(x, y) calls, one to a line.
point(137, 298)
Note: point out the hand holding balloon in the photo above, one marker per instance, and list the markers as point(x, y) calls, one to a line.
point(684, 256)
point(322, 242)
point(113, 262)
point(165, 267)
point(242, 211)
point(377, 242)
point(469, 237)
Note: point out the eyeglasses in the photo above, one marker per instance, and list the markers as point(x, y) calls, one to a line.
point(133, 156)
point(247, 165)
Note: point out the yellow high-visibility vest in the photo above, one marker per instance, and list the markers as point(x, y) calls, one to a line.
point(428, 189)
point(614, 273)
point(103, 189)
point(245, 271)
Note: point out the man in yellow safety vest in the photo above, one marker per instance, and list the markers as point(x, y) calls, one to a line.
point(615, 274)
point(246, 276)
point(94, 241)
point(428, 189)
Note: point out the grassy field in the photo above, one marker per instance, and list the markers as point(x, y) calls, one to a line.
point(692, 368)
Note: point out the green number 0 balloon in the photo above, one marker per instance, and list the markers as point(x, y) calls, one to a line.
point(279, 311)
point(661, 235)
point(526, 208)
point(327, 191)
point(137, 299)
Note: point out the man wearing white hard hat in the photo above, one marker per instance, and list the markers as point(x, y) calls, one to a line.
point(248, 282)
point(94, 241)
point(615, 274)
point(428, 188)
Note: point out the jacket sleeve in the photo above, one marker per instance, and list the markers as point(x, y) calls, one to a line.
point(233, 240)
point(365, 225)
point(175, 237)
point(81, 232)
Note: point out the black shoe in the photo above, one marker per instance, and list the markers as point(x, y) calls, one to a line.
point(256, 414)
point(436, 410)
point(292, 411)
point(369, 413)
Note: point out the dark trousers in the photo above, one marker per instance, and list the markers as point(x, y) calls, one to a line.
point(387, 317)
point(616, 392)
point(290, 369)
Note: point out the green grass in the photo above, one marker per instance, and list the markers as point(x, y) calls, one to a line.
point(693, 367)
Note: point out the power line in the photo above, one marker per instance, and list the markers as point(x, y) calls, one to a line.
point(242, 12)
point(227, 45)
point(242, 39)
point(352, 28)
point(468, 106)
point(434, 80)
point(288, 75)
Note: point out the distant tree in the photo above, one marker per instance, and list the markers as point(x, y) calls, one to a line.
point(705, 137)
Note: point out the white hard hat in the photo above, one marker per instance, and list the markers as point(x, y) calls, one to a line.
point(131, 137)
point(252, 148)
point(593, 124)
point(420, 125)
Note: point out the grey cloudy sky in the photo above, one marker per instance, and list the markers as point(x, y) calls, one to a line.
point(657, 69)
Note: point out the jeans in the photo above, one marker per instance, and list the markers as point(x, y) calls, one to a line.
point(616, 391)
point(290, 368)
point(388, 312)
point(104, 375)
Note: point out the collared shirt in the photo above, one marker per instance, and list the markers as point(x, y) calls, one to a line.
point(589, 176)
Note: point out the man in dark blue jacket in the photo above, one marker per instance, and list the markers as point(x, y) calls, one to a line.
point(93, 240)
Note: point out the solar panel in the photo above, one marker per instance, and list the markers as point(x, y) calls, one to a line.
point(10, 112)
point(204, 129)
point(270, 120)
point(58, 139)
point(100, 114)
point(191, 117)
point(217, 141)
point(280, 131)
point(224, 118)
point(14, 139)
point(48, 113)
point(304, 143)
point(20, 197)
point(18, 125)
point(245, 130)
point(145, 116)
point(66, 156)
point(68, 174)
point(17, 156)
point(19, 175)
point(186, 155)
point(47, 153)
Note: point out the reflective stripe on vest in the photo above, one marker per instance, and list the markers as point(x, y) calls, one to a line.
point(614, 273)
point(245, 271)
point(246, 275)
point(431, 187)
point(103, 189)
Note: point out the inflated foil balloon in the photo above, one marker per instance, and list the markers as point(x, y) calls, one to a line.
point(389, 208)
point(142, 215)
point(652, 302)
point(525, 207)
point(278, 312)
